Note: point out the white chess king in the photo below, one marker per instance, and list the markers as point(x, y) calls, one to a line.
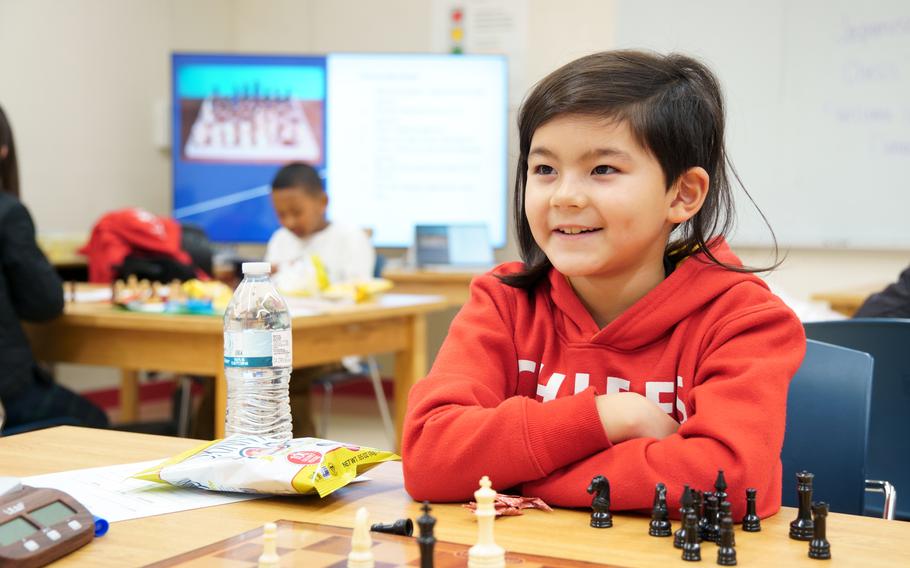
point(486, 553)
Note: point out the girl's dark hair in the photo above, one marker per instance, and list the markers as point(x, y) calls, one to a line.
point(674, 108)
point(9, 167)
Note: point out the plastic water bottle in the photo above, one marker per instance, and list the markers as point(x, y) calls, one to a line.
point(257, 357)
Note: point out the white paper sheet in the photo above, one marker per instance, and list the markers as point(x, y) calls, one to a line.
point(110, 493)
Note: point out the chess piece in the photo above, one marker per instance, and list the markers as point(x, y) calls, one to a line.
point(720, 486)
point(819, 548)
point(726, 554)
point(711, 521)
point(601, 517)
point(685, 506)
point(426, 541)
point(691, 549)
point(660, 521)
point(361, 555)
point(801, 527)
point(721, 515)
point(751, 521)
point(403, 527)
point(698, 505)
point(269, 557)
point(486, 553)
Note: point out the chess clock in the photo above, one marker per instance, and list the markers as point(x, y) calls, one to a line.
point(39, 525)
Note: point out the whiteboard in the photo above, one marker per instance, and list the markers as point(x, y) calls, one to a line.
point(818, 109)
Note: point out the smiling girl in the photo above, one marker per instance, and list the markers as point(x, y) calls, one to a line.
point(630, 342)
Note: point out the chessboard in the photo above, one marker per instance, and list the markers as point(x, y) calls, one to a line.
point(324, 546)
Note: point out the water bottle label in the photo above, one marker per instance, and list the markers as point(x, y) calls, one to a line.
point(257, 348)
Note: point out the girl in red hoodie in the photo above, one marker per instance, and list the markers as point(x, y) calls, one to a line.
point(630, 342)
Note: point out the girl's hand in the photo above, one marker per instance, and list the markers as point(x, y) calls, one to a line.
point(628, 415)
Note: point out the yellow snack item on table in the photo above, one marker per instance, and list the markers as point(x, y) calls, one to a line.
point(253, 464)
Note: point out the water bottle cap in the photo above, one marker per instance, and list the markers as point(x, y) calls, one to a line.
point(256, 268)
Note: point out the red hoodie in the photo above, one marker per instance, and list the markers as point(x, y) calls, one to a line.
point(511, 393)
point(120, 233)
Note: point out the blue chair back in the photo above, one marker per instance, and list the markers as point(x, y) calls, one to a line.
point(888, 341)
point(828, 426)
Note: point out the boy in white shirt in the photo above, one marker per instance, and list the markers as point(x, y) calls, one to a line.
point(300, 203)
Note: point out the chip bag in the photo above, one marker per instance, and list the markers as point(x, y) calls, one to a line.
point(253, 464)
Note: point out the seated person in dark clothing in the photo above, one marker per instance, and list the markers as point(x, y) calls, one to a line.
point(892, 302)
point(29, 290)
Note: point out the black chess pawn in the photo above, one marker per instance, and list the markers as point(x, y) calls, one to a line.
point(660, 520)
point(601, 517)
point(819, 548)
point(751, 521)
point(403, 527)
point(711, 521)
point(720, 486)
point(685, 506)
point(726, 553)
point(691, 549)
point(426, 541)
point(801, 527)
point(723, 513)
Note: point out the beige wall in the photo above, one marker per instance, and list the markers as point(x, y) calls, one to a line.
point(84, 82)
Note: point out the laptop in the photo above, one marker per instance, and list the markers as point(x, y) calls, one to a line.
point(453, 247)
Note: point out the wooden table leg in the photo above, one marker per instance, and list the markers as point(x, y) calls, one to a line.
point(220, 402)
point(410, 367)
point(129, 395)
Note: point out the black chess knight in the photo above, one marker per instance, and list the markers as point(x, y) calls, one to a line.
point(601, 517)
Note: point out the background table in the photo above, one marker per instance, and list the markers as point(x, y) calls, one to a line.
point(855, 541)
point(100, 334)
point(848, 300)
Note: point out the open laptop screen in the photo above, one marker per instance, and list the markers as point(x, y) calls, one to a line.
point(466, 246)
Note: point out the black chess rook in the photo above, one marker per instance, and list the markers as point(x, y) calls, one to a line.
point(751, 521)
point(801, 526)
point(711, 518)
point(819, 547)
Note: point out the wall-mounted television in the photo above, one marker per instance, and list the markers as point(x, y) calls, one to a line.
point(400, 139)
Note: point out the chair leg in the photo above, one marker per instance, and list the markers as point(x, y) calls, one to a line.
point(327, 390)
point(876, 486)
point(186, 398)
point(381, 400)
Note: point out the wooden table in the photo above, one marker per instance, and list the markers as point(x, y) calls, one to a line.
point(855, 541)
point(848, 300)
point(454, 286)
point(99, 334)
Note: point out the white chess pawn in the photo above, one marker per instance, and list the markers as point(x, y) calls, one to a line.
point(486, 553)
point(269, 557)
point(361, 555)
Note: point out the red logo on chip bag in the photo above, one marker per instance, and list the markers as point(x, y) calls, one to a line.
point(304, 458)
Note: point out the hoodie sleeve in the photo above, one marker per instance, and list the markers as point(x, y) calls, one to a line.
point(736, 424)
point(464, 420)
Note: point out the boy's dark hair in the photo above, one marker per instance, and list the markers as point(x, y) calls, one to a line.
point(298, 175)
point(9, 167)
point(674, 108)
